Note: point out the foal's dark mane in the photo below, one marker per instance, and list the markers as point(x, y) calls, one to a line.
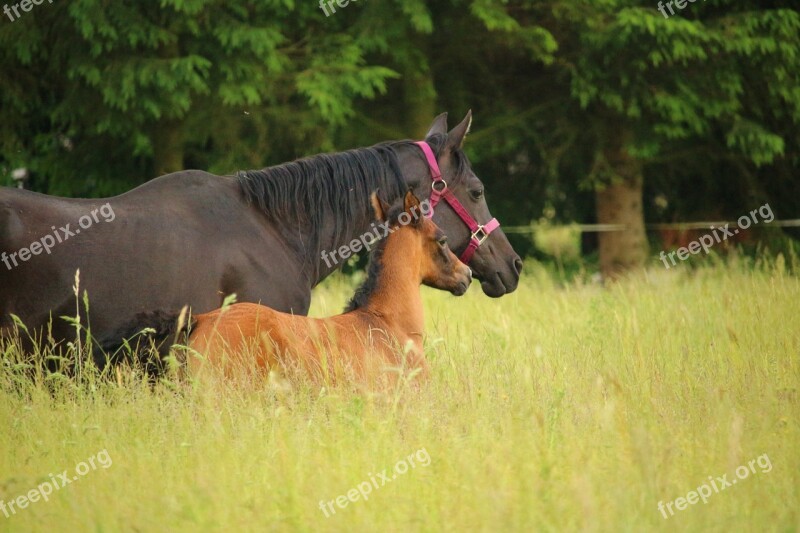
point(299, 194)
point(368, 286)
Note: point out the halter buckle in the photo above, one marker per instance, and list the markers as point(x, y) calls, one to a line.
point(444, 186)
point(483, 235)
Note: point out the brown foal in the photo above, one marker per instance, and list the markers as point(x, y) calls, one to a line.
point(377, 338)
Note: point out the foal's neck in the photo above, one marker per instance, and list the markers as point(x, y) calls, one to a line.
point(396, 298)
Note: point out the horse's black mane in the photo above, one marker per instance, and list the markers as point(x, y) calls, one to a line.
point(300, 193)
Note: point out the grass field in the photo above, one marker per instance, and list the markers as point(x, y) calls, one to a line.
point(554, 408)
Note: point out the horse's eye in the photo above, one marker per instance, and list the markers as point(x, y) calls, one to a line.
point(477, 194)
point(442, 242)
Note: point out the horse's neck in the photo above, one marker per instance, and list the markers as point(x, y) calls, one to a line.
point(331, 258)
point(365, 226)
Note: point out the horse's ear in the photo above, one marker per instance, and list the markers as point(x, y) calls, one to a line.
point(439, 125)
point(412, 207)
point(455, 139)
point(380, 207)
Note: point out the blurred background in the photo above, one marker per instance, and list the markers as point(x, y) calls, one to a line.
point(589, 115)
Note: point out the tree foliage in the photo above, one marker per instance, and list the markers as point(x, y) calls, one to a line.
point(90, 86)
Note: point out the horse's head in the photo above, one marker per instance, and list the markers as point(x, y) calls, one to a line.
point(484, 246)
point(425, 245)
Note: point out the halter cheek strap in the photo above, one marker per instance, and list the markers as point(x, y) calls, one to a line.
point(439, 191)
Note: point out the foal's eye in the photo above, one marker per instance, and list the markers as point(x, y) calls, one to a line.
point(477, 194)
point(442, 242)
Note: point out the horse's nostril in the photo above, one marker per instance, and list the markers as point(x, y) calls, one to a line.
point(518, 265)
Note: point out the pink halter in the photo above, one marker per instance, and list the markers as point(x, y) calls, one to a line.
point(479, 232)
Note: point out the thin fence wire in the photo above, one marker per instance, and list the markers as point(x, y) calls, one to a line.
point(600, 228)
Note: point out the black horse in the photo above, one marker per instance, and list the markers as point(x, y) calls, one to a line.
point(192, 237)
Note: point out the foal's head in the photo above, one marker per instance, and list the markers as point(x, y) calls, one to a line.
point(423, 245)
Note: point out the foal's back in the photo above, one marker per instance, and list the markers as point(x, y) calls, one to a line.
point(252, 337)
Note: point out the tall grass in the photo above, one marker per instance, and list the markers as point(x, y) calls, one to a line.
point(554, 408)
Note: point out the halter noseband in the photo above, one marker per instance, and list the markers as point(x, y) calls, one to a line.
point(440, 190)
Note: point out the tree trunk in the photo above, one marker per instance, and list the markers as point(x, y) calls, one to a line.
point(621, 203)
point(419, 96)
point(167, 147)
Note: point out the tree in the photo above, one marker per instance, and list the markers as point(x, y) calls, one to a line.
point(99, 96)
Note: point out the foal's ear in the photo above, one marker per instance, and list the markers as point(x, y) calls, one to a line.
point(412, 207)
point(380, 207)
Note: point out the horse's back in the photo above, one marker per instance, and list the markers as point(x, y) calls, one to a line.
point(27, 215)
point(10, 222)
point(150, 248)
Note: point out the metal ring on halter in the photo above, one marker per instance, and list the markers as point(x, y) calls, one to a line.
point(444, 186)
point(482, 238)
